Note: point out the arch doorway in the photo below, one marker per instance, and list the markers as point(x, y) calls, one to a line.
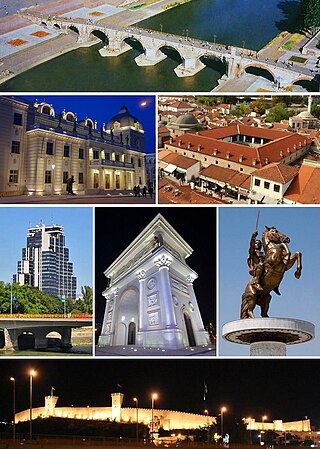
point(189, 329)
point(127, 317)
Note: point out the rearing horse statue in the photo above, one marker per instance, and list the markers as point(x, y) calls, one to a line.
point(272, 265)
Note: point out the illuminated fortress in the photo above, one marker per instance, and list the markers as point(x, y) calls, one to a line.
point(168, 419)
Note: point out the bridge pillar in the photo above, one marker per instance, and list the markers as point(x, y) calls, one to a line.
point(66, 337)
point(152, 56)
point(190, 66)
point(116, 45)
point(9, 341)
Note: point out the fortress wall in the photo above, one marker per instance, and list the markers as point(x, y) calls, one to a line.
point(98, 413)
point(25, 415)
point(169, 419)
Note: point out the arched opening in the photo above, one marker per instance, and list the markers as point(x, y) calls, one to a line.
point(26, 340)
point(44, 24)
point(54, 339)
point(70, 117)
point(189, 329)
point(2, 339)
point(46, 110)
point(74, 29)
point(121, 335)
point(57, 26)
point(100, 35)
point(135, 44)
point(260, 71)
point(132, 334)
point(219, 65)
point(171, 53)
point(127, 316)
point(309, 85)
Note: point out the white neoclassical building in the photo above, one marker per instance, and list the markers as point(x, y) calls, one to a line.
point(150, 300)
point(40, 149)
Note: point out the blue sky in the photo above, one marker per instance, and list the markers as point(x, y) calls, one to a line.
point(299, 298)
point(103, 107)
point(77, 222)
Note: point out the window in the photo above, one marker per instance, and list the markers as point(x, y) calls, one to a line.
point(257, 182)
point(95, 154)
point(205, 159)
point(266, 184)
point(118, 157)
point(15, 147)
point(48, 177)
point(139, 162)
point(140, 180)
point(241, 169)
point(80, 178)
point(276, 188)
point(49, 149)
point(17, 119)
point(65, 177)
point(81, 153)
point(13, 176)
point(66, 151)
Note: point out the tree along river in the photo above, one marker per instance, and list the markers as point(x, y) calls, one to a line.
point(248, 23)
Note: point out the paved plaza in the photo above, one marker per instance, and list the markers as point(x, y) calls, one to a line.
point(78, 199)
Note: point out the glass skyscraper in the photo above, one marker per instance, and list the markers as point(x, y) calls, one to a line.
point(45, 262)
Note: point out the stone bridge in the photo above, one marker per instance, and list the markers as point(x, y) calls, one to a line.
point(38, 328)
point(235, 61)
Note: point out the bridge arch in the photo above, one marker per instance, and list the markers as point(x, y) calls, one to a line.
point(74, 29)
point(135, 43)
point(56, 25)
point(100, 35)
point(260, 70)
point(44, 24)
point(214, 62)
point(311, 85)
point(172, 52)
point(54, 339)
point(26, 340)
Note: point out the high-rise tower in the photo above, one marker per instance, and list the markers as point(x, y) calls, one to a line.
point(45, 262)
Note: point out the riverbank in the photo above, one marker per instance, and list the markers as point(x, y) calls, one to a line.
point(24, 60)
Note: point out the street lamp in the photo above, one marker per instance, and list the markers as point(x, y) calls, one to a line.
point(262, 432)
point(13, 380)
point(153, 398)
point(137, 410)
point(223, 409)
point(207, 413)
point(32, 373)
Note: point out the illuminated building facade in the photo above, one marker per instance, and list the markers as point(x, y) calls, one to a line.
point(41, 149)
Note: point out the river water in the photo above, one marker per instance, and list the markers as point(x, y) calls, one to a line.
point(249, 23)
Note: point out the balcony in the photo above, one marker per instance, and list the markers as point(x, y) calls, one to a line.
point(108, 163)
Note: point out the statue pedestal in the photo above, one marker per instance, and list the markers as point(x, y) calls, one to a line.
point(268, 336)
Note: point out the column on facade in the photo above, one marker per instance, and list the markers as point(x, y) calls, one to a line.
point(197, 316)
point(252, 140)
point(142, 295)
point(115, 299)
point(41, 167)
point(244, 139)
point(163, 263)
point(101, 178)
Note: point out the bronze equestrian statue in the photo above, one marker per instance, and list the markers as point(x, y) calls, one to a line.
point(267, 270)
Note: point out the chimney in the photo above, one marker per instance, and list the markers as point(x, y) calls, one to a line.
point(171, 140)
point(189, 145)
point(215, 152)
point(199, 147)
point(241, 158)
point(281, 153)
point(266, 161)
point(228, 155)
point(254, 161)
point(179, 143)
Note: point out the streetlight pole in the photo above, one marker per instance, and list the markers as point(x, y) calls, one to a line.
point(137, 416)
point(223, 409)
point(31, 375)
point(153, 398)
point(262, 433)
point(13, 380)
point(207, 413)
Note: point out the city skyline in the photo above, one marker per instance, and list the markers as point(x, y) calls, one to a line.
point(77, 223)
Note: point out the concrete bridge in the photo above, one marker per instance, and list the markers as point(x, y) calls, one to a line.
point(37, 328)
point(193, 52)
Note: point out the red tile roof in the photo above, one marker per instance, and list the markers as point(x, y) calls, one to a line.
point(227, 175)
point(178, 160)
point(305, 188)
point(281, 173)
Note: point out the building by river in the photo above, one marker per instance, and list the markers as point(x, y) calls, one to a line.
point(42, 151)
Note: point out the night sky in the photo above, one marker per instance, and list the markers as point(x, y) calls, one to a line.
point(116, 228)
point(103, 107)
point(280, 389)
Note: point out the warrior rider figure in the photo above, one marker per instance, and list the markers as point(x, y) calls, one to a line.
point(255, 260)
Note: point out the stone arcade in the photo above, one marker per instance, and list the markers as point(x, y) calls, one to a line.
point(150, 300)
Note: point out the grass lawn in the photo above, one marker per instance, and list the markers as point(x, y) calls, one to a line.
point(298, 59)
